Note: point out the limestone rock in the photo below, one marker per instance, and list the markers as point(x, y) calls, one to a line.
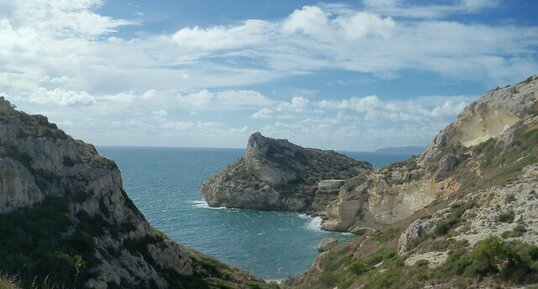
point(275, 174)
point(39, 162)
point(327, 244)
point(491, 136)
point(417, 229)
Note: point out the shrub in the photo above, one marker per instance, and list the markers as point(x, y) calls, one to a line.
point(329, 278)
point(445, 225)
point(381, 255)
point(387, 235)
point(357, 266)
point(518, 231)
point(34, 245)
point(383, 281)
point(453, 219)
point(517, 262)
point(506, 217)
point(510, 198)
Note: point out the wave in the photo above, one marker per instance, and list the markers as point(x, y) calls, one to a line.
point(201, 204)
point(314, 224)
point(278, 281)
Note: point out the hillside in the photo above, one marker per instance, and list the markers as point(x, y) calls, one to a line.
point(461, 215)
point(275, 174)
point(66, 222)
point(414, 150)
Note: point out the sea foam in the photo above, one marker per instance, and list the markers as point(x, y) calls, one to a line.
point(314, 224)
point(202, 204)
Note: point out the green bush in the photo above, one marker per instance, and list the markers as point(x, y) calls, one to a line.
point(383, 281)
point(34, 245)
point(358, 267)
point(444, 226)
point(506, 217)
point(381, 255)
point(516, 262)
point(387, 235)
point(329, 278)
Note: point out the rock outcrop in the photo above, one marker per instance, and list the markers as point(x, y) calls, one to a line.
point(327, 244)
point(463, 214)
point(275, 174)
point(66, 220)
point(491, 140)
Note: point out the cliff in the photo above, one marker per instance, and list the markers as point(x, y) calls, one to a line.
point(490, 142)
point(461, 215)
point(66, 222)
point(275, 174)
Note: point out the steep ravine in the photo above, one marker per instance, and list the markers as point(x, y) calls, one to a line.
point(66, 222)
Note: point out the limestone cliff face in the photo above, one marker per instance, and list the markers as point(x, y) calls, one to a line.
point(275, 174)
point(41, 166)
point(490, 141)
point(469, 199)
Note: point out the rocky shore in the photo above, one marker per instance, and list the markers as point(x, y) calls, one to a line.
point(275, 174)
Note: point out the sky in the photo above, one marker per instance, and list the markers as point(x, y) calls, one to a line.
point(343, 75)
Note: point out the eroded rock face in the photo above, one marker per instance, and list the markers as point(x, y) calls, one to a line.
point(275, 174)
point(39, 162)
point(327, 244)
point(485, 139)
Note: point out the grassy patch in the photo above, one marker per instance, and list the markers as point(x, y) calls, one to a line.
point(387, 235)
point(383, 280)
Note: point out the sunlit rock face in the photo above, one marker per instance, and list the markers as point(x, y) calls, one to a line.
point(40, 163)
point(491, 136)
point(275, 174)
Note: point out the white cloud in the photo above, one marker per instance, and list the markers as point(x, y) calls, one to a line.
point(178, 125)
point(160, 112)
point(197, 84)
point(62, 97)
point(262, 113)
point(374, 109)
point(241, 130)
point(222, 100)
point(327, 37)
point(313, 21)
point(250, 32)
point(64, 18)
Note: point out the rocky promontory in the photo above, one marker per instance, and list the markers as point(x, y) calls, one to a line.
point(276, 174)
point(66, 222)
point(490, 142)
point(463, 214)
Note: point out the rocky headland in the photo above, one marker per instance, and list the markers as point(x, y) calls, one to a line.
point(463, 214)
point(489, 144)
point(66, 222)
point(275, 174)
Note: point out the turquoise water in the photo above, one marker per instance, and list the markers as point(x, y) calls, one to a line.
point(164, 183)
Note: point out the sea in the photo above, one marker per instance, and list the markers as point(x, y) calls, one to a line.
point(164, 183)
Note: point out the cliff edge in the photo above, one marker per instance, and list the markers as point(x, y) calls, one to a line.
point(275, 174)
point(490, 142)
point(463, 214)
point(66, 222)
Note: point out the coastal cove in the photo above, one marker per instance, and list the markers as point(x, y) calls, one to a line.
point(164, 184)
